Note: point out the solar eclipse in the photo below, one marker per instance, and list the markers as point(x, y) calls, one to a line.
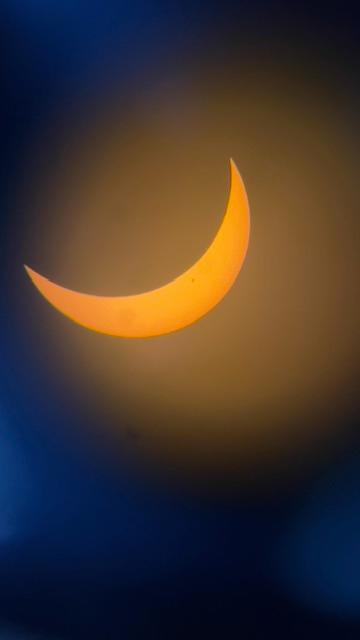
point(179, 303)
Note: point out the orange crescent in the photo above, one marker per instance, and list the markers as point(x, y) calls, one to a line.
point(175, 305)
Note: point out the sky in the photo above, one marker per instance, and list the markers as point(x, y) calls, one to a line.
point(209, 480)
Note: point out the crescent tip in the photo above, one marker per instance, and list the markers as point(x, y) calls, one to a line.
point(33, 275)
point(233, 168)
point(234, 172)
point(29, 271)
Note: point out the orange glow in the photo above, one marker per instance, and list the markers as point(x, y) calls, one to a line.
point(179, 303)
point(253, 389)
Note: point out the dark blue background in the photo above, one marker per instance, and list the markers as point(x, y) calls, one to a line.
point(92, 552)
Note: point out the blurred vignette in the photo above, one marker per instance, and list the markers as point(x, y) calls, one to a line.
point(207, 480)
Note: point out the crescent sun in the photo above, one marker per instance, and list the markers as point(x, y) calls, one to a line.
point(175, 305)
